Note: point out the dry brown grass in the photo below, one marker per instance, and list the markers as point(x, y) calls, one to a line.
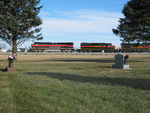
point(56, 56)
point(70, 56)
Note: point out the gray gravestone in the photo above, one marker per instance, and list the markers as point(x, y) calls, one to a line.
point(120, 62)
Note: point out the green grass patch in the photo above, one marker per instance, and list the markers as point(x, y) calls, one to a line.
point(75, 86)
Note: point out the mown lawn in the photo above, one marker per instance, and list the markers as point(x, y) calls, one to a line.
point(75, 85)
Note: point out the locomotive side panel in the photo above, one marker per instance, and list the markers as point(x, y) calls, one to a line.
point(52, 47)
point(97, 47)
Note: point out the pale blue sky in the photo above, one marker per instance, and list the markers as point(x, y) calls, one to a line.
point(80, 20)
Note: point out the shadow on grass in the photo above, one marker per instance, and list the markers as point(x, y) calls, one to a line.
point(3, 69)
point(143, 84)
point(91, 60)
point(137, 61)
point(2, 60)
point(85, 60)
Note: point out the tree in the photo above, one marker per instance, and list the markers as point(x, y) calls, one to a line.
point(135, 26)
point(19, 21)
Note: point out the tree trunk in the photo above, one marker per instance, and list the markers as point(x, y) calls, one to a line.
point(14, 46)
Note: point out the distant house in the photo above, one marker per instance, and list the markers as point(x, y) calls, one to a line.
point(3, 50)
point(22, 50)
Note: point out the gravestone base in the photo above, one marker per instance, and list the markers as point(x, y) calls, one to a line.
point(9, 69)
point(126, 67)
point(120, 62)
point(121, 66)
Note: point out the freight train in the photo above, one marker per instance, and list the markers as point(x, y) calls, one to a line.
point(135, 47)
point(69, 47)
point(88, 47)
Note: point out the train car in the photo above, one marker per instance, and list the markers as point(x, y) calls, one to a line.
point(52, 47)
point(97, 47)
point(134, 47)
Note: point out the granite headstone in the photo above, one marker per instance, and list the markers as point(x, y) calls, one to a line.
point(120, 62)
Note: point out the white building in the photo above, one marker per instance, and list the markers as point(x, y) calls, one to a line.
point(3, 50)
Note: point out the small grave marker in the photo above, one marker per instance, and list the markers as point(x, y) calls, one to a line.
point(11, 59)
point(121, 61)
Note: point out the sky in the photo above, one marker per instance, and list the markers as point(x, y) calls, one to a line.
point(80, 21)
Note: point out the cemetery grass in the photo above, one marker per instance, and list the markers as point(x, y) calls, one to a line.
point(75, 85)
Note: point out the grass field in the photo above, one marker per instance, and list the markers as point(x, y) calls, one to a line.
point(75, 84)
